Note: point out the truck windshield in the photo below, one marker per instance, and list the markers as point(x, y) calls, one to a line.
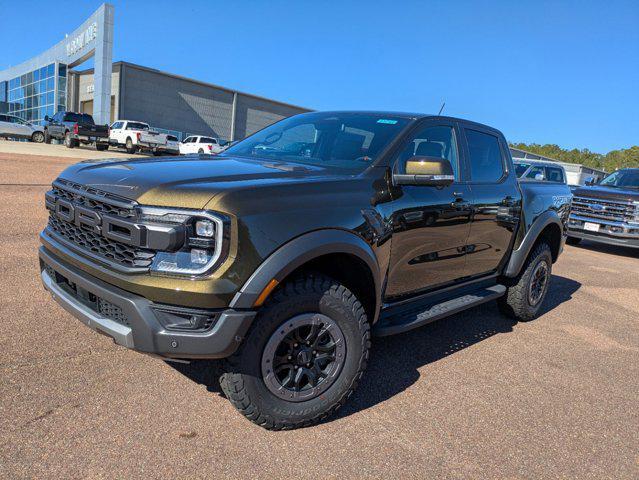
point(350, 141)
point(622, 179)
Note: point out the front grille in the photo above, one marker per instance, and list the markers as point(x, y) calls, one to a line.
point(615, 211)
point(110, 250)
point(76, 195)
point(111, 311)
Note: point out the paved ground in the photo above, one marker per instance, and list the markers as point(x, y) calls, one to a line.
point(50, 150)
point(473, 396)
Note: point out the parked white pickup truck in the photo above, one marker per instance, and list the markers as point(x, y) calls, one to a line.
point(199, 144)
point(134, 136)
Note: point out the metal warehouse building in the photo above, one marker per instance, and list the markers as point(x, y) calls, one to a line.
point(49, 83)
point(178, 105)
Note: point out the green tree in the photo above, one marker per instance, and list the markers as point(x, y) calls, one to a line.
point(628, 157)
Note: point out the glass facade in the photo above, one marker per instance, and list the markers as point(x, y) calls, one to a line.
point(38, 93)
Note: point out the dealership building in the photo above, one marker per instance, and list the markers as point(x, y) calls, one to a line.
point(52, 81)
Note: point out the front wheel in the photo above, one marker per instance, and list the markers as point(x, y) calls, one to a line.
point(526, 294)
point(37, 137)
point(303, 357)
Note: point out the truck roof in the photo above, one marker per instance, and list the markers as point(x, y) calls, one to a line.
point(408, 115)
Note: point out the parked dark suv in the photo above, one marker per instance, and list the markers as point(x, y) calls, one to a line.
point(286, 252)
point(75, 128)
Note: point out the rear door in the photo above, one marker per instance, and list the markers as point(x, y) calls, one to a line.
point(496, 200)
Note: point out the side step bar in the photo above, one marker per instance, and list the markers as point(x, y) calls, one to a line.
point(399, 321)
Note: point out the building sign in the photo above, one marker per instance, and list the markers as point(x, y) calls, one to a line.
point(79, 42)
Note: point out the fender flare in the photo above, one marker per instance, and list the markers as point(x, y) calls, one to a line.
point(300, 250)
point(519, 256)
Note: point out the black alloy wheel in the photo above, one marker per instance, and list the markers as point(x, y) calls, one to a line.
point(303, 357)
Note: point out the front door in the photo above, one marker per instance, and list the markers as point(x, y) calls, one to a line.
point(496, 201)
point(430, 224)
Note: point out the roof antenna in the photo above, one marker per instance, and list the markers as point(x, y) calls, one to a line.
point(441, 109)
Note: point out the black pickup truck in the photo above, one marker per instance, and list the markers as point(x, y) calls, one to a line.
point(75, 128)
point(607, 212)
point(285, 253)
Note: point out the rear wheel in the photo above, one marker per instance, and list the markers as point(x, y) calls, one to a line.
point(573, 240)
point(200, 151)
point(130, 148)
point(68, 141)
point(37, 137)
point(526, 294)
point(101, 146)
point(303, 357)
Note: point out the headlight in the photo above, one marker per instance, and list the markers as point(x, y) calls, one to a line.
point(205, 240)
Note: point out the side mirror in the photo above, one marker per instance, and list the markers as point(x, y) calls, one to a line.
point(46, 118)
point(590, 181)
point(433, 171)
point(539, 177)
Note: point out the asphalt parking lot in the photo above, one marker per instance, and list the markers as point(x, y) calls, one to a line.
point(472, 396)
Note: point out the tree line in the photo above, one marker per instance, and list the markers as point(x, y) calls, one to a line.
point(626, 157)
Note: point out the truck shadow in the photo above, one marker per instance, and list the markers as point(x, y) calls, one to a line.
point(619, 251)
point(395, 361)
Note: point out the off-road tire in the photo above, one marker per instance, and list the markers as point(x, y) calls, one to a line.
point(243, 383)
point(515, 303)
point(573, 240)
point(68, 141)
point(130, 148)
point(37, 137)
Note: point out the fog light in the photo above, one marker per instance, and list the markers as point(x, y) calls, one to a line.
point(204, 228)
point(199, 257)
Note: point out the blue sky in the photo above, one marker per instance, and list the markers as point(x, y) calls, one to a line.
point(541, 71)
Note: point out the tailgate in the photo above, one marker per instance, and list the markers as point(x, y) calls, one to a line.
point(153, 137)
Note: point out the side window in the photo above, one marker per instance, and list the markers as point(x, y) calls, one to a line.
point(434, 141)
point(534, 171)
point(554, 174)
point(486, 163)
point(188, 140)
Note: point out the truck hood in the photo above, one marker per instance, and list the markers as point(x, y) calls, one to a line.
point(188, 181)
point(608, 193)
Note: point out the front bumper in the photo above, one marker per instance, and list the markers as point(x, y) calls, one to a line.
point(610, 232)
point(136, 326)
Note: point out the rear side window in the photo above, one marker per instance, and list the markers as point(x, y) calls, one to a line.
point(207, 140)
point(486, 164)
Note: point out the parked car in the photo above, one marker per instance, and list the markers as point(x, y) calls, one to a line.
point(15, 127)
point(172, 145)
point(200, 144)
point(607, 212)
point(285, 260)
point(76, 128)
point(540, 170)
point(136, 136)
